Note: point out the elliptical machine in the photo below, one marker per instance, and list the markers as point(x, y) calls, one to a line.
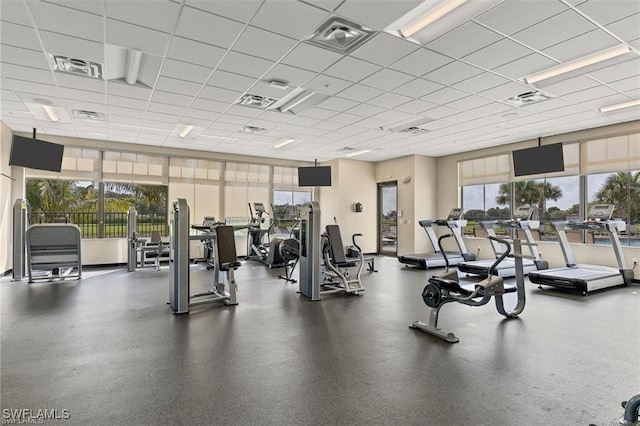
point(446, 288)
point(256, 248)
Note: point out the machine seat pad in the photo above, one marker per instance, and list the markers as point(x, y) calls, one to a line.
point(225, 266)
point(346, 264)
point(450, 285)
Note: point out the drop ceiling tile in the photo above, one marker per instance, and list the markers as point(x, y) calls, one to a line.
point(82, 95)
point(34, 88)
point(209, 105)
point(185, 71)
point(25, 57)
point(123, 89)
point(420, 61)
point(618, 71)
point(220, 94)
point(463, 40)
point(492, 108)
point(293, 76)
point(133, 37)
point(58, 44)
point(165, 109)
point(263, 44)
point(236, 120)
point(627, 29)
point(481, 82)
point(513, 16)
point(386, 117)
point(626, 84)
point(582, 45)
point(570, 85)
point(158, 124)
point(384, 49)
point(35, 75)
point(327, 85)
point(180, 87)
point(311, 57)
point(338, 104)
point(387, 79)
point(525, 66)
point(162, 16)
point(171, 98)
point(115, 119)
point(319, 113)
point(365, 110)
point(546, 106)
point(87, 106)
point(244, 111)
point(498, 53)
point(14, 12)
point(345, 118)
point(19, 36)
point(468, 103)
point(195, 52)
point(126, 112)
point(416, 106)
point(157, 116)
point(292, 19)
point(389, 100)
point(418, 88)
point(231, 81)
point(554, 30)
point(201, 114)
point(351, 69)
point(208, 28)
point(452, 73)
point(606, 12)
point(441, 112)
point(376, 14)
point(360, 93)
point(51, 17)
point(589, 94)
point(127, 102)
point(444, 96)
point(327, 125)
point(245, 64)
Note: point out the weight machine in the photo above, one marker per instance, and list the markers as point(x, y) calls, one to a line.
point(224, 257)
point(139, 250)
point(21, 220)
point(53, 252)
point(446, 288)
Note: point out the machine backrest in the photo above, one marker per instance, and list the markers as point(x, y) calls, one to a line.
point(155, 237)
point(226, 244)
point(337, 248)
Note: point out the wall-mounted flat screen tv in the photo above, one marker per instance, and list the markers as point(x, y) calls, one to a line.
point(314, 176)
point(36, 154)
point(539, 159)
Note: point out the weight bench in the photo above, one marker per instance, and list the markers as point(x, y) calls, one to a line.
point(337, 264)
point(154, 249)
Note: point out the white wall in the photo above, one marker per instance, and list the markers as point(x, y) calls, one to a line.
point(353, 181)
point(425, 178)
point(6, 201)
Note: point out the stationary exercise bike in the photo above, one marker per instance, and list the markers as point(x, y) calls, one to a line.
point(446, 288)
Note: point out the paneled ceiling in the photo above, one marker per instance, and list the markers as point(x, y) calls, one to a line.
point(199, 57)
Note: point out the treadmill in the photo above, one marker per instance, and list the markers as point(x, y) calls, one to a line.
point(587, 278)
point(455, 222)
point(525, 219)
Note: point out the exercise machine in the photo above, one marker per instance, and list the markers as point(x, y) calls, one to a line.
point(21, 220)
point(455, 222)
point(631, 412)
point(53, 252)
point(225, 263)
point(256, 248)
point(525, 218)
point(587, 278)
point(447, 288)
point(141, 251)
point(337, 266)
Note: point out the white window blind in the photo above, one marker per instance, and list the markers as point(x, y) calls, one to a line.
point(618, 153)
point(77, 164)
point(135, 168)
point(494, 169)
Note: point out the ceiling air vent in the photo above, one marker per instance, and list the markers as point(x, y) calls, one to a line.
point(528, 98)
point(87, 115)
point(75, 66)
point(409, 125)
point(340, 35)
point(255, 101)
point(252, 130)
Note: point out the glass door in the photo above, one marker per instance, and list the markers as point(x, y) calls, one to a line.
point(387, 218)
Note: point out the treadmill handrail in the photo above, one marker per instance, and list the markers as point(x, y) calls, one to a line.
point(442, 251)
point(502, 257)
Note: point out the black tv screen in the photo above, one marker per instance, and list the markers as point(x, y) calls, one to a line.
point(314, 176)
point(36, 154)
point(540, 159)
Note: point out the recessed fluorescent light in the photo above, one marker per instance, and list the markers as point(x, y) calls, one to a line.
point(623, 105)
point(283, 142)
point(51, 112)
point(577, 64)
point(360, 152)
point(429, 17)
point(297, 101)
point(278, 84)
point(134, 58)
point(185, 131)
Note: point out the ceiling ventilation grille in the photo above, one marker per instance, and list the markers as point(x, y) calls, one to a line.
point(340, 35)
point(347, 149)
point(256, 101)
point(76, 66)
point(87, 115)
point(528, 98)
point(252, 130)
point(414, 130)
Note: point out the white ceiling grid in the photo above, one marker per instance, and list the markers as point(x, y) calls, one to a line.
point(201, 56)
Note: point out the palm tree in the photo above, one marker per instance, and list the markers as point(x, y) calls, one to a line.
point(622, 189)
point(530, 192)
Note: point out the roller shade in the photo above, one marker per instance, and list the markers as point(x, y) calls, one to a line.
point(494, 169)
point(614, 154)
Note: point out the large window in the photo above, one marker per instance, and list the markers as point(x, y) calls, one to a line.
point(286, 206)
point(150, 202)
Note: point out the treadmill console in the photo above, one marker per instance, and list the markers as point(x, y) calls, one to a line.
point(523, 213)
point(600, 212)
point(455, 214)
